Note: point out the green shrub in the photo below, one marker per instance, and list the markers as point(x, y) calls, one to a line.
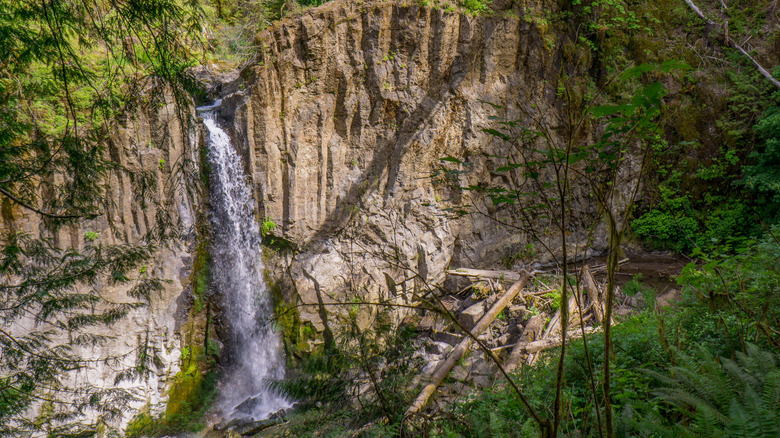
point(267, 227)
point(366, 376)
point(763, 176)
point(665, 380)
point(476, 7)
point(666, 229)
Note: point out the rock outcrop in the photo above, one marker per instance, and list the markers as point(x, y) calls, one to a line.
point(153, 190)
point(344, 119)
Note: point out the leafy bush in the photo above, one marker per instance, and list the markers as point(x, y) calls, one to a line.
point(476, 7)
point(267, 227)
point(763, 177)
point(742, 286)
point(726, 227)
point(666, 229)
point(367, 375)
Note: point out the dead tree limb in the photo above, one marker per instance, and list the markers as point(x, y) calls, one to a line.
point(764, 72)
point(593, 293)
point(484, 273)
point(604, 267)
point(544, 344)
point(452, 359)
point(554, 327)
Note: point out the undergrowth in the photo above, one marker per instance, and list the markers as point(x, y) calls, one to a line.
point(705, 367)
point(367, 376)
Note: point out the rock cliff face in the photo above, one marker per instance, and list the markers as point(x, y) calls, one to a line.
point(344, 118)
point(156, 195)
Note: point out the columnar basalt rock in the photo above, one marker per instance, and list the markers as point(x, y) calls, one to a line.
point(153, 188)
point(346, 114)
point(341, 120)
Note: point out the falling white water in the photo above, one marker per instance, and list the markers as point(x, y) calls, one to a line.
point(238, 275)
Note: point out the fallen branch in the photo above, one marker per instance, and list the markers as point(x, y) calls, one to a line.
point(533, 348)
point(544, 344)
point(764, 72)
point(603, 267)
point(593, 293)
point(484, 273)
point(444, 368)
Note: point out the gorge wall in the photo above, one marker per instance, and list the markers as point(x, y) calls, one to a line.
point(345, 116)
point(341, 120)
point(153, 190)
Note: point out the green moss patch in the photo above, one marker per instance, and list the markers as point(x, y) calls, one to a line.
point(194, 388)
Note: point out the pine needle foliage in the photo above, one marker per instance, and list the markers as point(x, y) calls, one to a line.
point(51, 312)
point(71, 71)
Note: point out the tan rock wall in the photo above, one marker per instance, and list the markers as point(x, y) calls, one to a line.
point(150, 141)
point(346, 114)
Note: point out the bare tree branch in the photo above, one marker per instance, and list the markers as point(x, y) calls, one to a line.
point(764, 72)
point(16, 200)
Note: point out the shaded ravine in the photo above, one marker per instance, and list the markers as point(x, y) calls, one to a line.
point(254, 349)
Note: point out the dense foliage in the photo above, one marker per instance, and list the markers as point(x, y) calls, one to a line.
point(704, 367)
point(70, 72)
point(373, 369)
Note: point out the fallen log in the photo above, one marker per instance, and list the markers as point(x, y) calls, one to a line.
point(554, 326)
point(485, 273)
point(593, 293)
point(444, 368)
point(515, 356)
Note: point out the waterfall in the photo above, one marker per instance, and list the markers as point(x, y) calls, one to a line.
point(238, 274)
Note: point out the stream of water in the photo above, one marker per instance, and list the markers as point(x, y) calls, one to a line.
point(238, 274)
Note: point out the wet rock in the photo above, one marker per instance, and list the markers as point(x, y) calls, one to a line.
point(255, 427)
point(247, 407)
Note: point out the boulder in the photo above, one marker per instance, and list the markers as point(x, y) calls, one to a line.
point(471, 315)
